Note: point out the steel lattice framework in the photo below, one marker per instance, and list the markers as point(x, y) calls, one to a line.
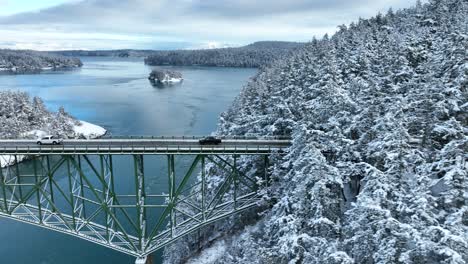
point(76, 194)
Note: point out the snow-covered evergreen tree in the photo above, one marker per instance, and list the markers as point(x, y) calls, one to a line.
point(257, 54)
point(28, 61)
point(377, 172)
point(20, 117)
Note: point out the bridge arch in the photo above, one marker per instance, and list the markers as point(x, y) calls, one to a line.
point(78, 193)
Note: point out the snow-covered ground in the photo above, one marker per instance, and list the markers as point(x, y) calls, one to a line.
point(173, 80)
point(170, 80)
point(89, 130)
point(85, 129)
point(210, 255)
point(8, 160)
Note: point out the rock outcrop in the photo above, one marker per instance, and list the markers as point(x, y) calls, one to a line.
point(165, 77)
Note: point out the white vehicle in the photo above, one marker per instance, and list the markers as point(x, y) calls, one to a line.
point(49, 140)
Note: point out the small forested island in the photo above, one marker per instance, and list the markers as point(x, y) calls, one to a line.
point(251, 56)
point(28, 61)
point(165, 77)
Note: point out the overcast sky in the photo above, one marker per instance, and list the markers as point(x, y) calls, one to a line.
point(168, 24)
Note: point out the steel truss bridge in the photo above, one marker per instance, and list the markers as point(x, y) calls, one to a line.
point(131, 195)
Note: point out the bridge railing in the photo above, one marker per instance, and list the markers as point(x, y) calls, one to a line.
point(120, 149)
point(195, 137)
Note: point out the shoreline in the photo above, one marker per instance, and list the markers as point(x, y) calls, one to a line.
point(86, 130)
point(16, 70)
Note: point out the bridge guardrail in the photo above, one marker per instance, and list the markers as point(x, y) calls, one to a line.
point(195, 137)
point(120, 149)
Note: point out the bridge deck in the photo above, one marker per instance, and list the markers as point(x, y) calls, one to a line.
point(144, 146)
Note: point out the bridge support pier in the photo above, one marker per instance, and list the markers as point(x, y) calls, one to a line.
point(146, 260)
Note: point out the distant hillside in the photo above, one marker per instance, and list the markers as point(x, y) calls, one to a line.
point(105, 53)
point(27, 61)
point(254, 55)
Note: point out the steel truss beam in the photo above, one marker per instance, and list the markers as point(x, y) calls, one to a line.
point(77, 195)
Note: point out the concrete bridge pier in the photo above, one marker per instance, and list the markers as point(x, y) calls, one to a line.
point(145, 260)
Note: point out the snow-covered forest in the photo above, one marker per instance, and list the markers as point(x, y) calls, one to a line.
point(254, 55)
point(21, 117)
point(123, 53)
point(378, 169)
point(27, 61)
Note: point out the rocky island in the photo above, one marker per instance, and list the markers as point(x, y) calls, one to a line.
point(165, 77)
point(27, 61)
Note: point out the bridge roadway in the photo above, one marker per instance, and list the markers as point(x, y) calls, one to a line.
point(144, 146)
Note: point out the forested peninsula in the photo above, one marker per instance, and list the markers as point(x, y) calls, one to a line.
point(28, 61)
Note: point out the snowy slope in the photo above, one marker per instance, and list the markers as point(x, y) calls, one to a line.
point(28, 61)
point(84, 129)
point(378, 168)
point(23, 117)
point(88, 130)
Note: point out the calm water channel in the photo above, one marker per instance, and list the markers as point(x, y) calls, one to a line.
point(116, 94)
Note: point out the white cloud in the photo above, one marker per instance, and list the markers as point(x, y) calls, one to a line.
point(104, 24)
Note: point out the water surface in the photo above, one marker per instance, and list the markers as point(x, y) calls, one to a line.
point(116, 94)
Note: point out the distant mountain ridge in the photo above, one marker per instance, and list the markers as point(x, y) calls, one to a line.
point(28, 61)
